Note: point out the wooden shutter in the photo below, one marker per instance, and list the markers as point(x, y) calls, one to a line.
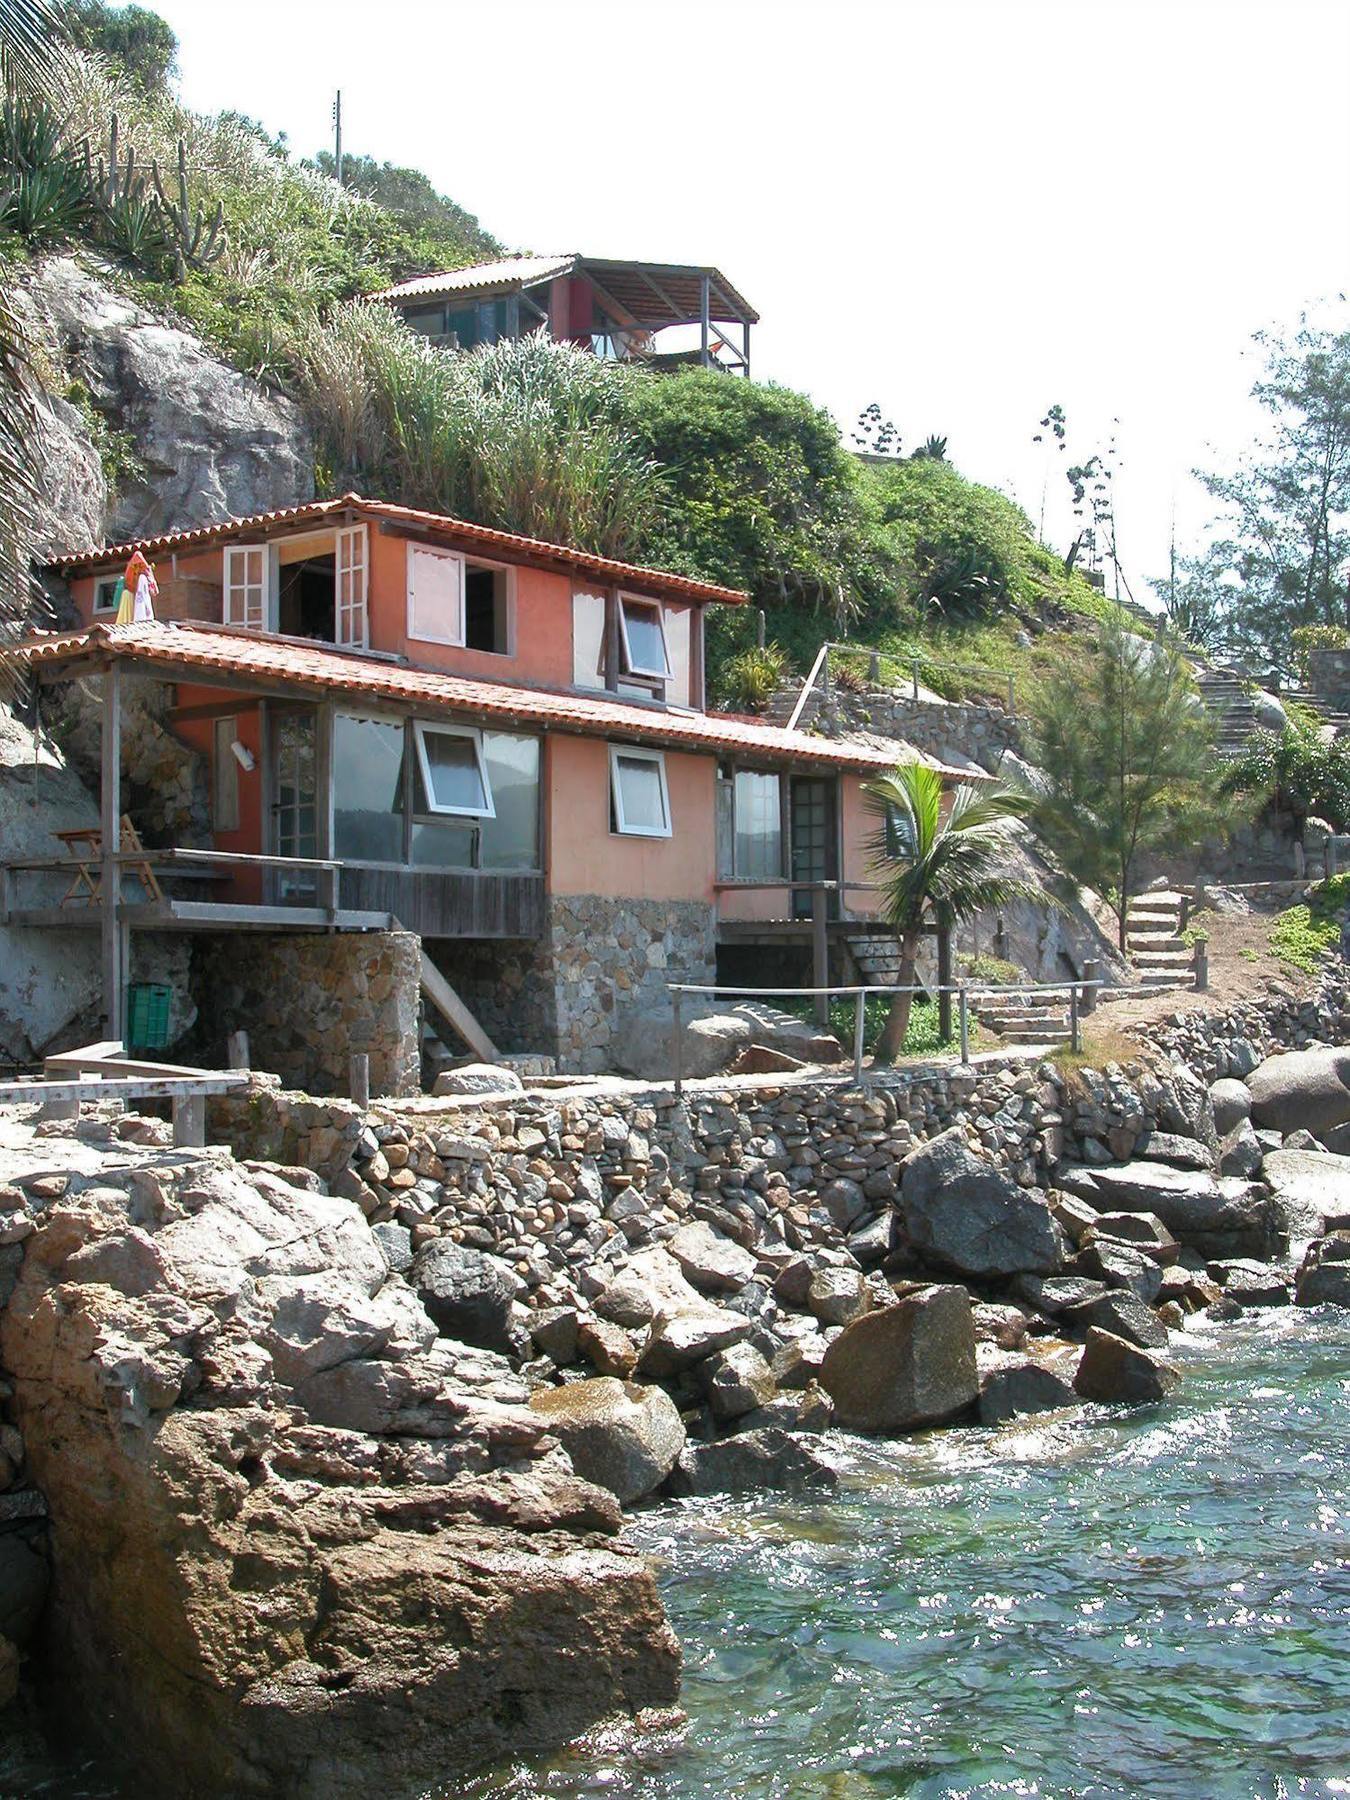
point(353, 623)
point(246, 585)
point(435, 595)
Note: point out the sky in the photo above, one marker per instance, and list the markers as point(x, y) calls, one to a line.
point(964, 210)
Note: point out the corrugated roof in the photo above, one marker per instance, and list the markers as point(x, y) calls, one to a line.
point(508, 271)
point(200, 536)
point(322, 672)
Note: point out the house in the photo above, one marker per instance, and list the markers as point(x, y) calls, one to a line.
point(351, 715)
point(617, 309)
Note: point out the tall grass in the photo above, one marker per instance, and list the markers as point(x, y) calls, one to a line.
point(524, 435)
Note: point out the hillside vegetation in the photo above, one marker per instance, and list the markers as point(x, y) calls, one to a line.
point(742, 483)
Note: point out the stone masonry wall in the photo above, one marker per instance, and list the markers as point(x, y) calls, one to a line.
point(508, 986)
point(310, 1002)
point(943, 729)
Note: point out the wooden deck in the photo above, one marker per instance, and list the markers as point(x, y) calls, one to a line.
point(199, 915)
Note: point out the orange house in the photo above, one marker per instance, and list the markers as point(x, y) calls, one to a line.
point(503, 745)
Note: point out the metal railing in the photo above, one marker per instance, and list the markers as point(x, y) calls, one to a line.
point(1082, 1001)
point(820, 672)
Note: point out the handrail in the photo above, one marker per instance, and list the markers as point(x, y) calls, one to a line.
point(822, 656)
point(1080, 1001)
point(875, 658)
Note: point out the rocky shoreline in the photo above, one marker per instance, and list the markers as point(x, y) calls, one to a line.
point(314, 1450)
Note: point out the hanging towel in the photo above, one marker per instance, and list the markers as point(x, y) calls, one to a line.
point(142, 586)
point(126, 601)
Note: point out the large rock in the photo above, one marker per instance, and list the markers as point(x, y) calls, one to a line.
point(967, 1213)
point(755, 1462)
point(467, 1294)
point(1324, 1276)
point(1311, 1190)
point(905, 1365)
point(736, 1381)
point(679, 1341)
point(1302, 1088)
point(266, 1596)
point(1022, 1385)
point(1218, 1215)
point(1114, 1370)
point(621, 1436)
point(643, 1043)
point(1232, 1103)
point(210, 443)
point(1123, 1314)
point(712, 1263)
point(478, 1078)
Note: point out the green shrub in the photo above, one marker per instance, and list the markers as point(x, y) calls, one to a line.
point(1305, 638)
point(752, 677)
point(993, 971)
point(45, 193)
point(1303, 935)
point(922, 1038)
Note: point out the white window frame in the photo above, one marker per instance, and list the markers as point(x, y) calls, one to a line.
point(633, 754)
point(254, 614)
point(351, 588)
point(110, 583)
point(629, 666)
point(455, 558)
point(420, 728)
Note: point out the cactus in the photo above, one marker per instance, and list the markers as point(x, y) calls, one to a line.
point(132, 217)
point(196, 240)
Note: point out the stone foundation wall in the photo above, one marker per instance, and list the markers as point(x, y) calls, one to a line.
point(310, 1002)
point(610, 957)
point(509, 988)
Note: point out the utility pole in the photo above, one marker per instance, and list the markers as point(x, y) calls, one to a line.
point(337, 137)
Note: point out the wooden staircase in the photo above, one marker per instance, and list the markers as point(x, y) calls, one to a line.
point(1154, 942)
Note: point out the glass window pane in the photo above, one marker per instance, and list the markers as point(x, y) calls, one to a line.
point(646, 641)
point(443, 843)
point(641, 790)
point(367, 789)
point(455, 779)
point(679, 628)
point(759, 826)
point(726, 868)
point(510, 841)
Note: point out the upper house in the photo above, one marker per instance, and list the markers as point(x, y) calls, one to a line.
point(631, 311)
point(350, 714)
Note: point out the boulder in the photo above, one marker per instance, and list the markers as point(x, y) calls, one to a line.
point(872, 1243)
point(1115, 1370)
point(478, 1078)
point(1311, 1190)
point(1022, 1386)
point(905, 1365)
point(1054, 1294)
point(807, 1409)
point(1240, 1152)
point(686, 1338)
point(1324, 1276)
point(1251, 1284)
point(1307, 1088)
point(1123, 1315)
point(643, 1043)
point(735, 1381)
point(649, 1284)
point(1122, 1265)
point(607, 1347)
point(620, 1436)
point(1180, 1152)
point(1184, 1106)
point(467, 1294)
point(1232, 1103)
point(555, 1330)
point(1218, 1215)
point(754, 1462)
point(712, 1263)
point(838, 1295)
point(967, 1213)
point(1145, 1231)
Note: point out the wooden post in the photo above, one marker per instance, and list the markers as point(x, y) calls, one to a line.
point(1201, 958)
point(761, 629)
point(110, 873)
point(1091, 972)
point(236, 1050)
point(189, 1121)
point(874, 668)
point(677, 1040)
point(820, 952)
point(944, 949)
point(914, 672)
point(1075, 1037)
point(358, 1078)
point(859, 1035)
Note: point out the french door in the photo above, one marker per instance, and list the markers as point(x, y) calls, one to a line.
point(814, 839)
point(295, 817)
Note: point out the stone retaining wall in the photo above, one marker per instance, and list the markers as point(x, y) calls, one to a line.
point(944, 729)
point(310, 1002)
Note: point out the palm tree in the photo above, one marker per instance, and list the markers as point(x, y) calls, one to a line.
point(935, 870)
point(31, 49)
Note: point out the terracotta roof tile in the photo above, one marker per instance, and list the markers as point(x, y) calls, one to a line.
point(319, 671)
point(201, 536)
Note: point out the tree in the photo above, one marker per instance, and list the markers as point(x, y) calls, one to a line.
point(1295, 771)
point(935, 870)
point(1280, 557)
point(134, 36)
point(409, 195)
point(1129, 763)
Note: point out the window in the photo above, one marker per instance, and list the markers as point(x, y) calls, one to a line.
point(105, 593)
point(352, 627)
point(899, 834)
point(487, 608)
point(435, 595)
point(510, 839)
point(246, 586)
point(681, 622)
point(367, 789)
point(644, 639)
point(224, 776)
point(588, 640)
point(639, 795)
point(749, 825)
point(454, 777)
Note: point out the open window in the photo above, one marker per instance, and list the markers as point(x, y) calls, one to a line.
point(642, 634)
point(487, 608)
point(453, 771)
point(639, 796)
point(247, 586)
point(105, 593)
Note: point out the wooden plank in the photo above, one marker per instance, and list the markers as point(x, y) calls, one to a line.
point(449, 903)
point(96, 1089)
point(91, 1062)
point(448, 1003)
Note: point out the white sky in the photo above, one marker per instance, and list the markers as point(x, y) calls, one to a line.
point(963, 210)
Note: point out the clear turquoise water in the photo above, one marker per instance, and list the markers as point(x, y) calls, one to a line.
point(1147, 1605)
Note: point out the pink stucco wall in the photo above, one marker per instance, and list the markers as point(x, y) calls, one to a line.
point(586, 857)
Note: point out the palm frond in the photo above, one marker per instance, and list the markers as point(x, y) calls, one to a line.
point(31, 46)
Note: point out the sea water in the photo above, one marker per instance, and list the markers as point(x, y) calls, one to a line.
point(1099, 1603)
